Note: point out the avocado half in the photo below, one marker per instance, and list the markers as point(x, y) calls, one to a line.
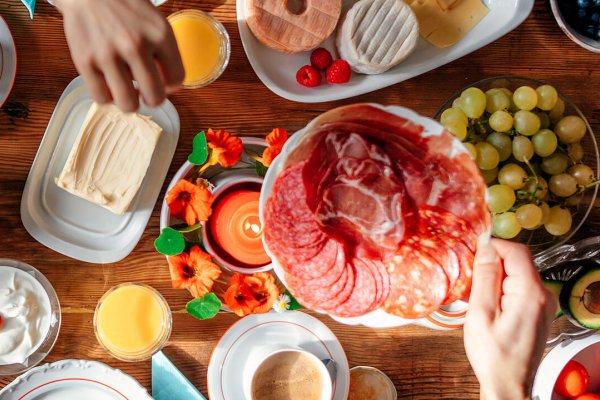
point(580, 298)
point(555, 287)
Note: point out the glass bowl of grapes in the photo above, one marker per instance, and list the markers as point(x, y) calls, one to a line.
point(535, 150)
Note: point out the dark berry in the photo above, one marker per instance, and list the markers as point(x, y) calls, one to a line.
point(595, 17)
point(583, 3)
point(596, 3)
point(582, 13)
point(590, 31)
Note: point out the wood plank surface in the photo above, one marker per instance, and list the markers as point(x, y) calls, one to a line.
point(423, 363)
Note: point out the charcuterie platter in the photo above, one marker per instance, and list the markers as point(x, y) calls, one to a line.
point(372, 215)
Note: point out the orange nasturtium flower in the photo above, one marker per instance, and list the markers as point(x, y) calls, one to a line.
point(276, 139)
point(225, 149)
point(189, 202)
point(251, 294)
point(194, 270)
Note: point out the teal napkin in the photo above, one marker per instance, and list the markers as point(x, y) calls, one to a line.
point(30, 4)
point(170, 384)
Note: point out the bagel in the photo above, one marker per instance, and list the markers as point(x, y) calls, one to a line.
point(377, 35)
point(274, 25)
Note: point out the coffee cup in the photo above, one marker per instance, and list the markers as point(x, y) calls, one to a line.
point(286, 373)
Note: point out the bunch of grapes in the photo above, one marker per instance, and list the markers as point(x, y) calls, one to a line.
point(529, 153)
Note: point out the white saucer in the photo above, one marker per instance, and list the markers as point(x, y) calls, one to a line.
point(8, 61)
point(291, 328)
point(74, 379)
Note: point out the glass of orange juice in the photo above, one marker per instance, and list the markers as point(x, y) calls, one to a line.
point(203, 44)
point(132, 322)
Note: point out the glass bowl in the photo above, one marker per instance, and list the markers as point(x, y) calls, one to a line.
point(39, 354)
point(539, 240)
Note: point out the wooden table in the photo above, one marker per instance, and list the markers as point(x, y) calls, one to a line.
point(424, 364)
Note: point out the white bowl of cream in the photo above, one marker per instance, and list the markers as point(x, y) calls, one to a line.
point(29, 317)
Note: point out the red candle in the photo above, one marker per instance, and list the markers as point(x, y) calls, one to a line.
point(235, 227)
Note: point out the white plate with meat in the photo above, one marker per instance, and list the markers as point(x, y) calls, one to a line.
point(373, 215)
point(278, 70)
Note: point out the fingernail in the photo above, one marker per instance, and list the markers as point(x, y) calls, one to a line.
point(487, 255)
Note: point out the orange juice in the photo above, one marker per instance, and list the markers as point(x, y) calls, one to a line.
point(203, 44)
point(132, 321)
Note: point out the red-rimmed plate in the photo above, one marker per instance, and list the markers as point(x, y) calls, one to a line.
point(289, 329)
point(8, 61)
point(74, 379)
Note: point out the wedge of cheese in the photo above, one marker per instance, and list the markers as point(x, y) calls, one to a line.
point(443, 28)
point(110, 157)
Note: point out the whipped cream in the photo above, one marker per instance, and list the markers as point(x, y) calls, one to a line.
point(26, 315)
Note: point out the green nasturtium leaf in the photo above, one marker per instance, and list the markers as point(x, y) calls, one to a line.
point(205, 307)
point(261, 170)
point(170, 242)
point(199, 153)
point(294, 305)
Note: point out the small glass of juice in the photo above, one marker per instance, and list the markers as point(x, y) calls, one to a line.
point(132, 322)
point(203, 44)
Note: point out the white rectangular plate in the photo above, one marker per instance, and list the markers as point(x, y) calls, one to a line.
point(278, 70)
point(73, 226)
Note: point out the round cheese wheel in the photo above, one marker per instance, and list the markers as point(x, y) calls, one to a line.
point(292, 28)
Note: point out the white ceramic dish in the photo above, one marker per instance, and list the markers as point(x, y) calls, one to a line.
point(291, 329)
point(71, 225)
point(74, 379)
point(8, 61)
point(451, 316)
point(278, 70)
point(586, 351)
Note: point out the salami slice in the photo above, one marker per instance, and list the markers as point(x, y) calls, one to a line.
point(440, 220)
point(316, 267)
point(291, 255)
point(418, 284)
point(363, 294)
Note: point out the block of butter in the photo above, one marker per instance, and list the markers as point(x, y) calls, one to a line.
point(110, 157)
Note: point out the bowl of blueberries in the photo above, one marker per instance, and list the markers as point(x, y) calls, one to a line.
point(580, 20)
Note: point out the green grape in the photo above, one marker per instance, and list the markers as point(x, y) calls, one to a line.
point(529, 216)
point(563, 185)
point(547, 97)
point(556, 163)
point(487, 156)
point(539, 187)
point(472, 150)
point(505, 226)
point(525, 98)
point(522, 148)
point(557, 111)
point(457, 128)
point(545, 212)
point(583, 174)
point(473, 102)
point(573, 201)
point(501, 121)
point(502, 143)
point(575, 151)
point(512, 176)
point(559, 221)
point(570, 129)
point(496, 100)
point(454, 114)
point(507, 92)
point(501, 198)
point(490, 175)
point(527, 123)
point(544, 142)
point(544, 119)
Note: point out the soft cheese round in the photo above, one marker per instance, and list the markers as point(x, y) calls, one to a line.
point(377, 35)
point(292, 31)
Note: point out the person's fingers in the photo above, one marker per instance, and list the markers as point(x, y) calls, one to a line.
point(168, 58)
point(121, 86)
point(517, 260)
point(94, 80)
point(146, 74)
point(487, 282)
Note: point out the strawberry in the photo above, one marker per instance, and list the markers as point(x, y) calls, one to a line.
point(339, 72)
point(321, 59)
point(308, 76)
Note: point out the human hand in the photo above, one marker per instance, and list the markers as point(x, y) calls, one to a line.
point(113, 42)
point(508, 321)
